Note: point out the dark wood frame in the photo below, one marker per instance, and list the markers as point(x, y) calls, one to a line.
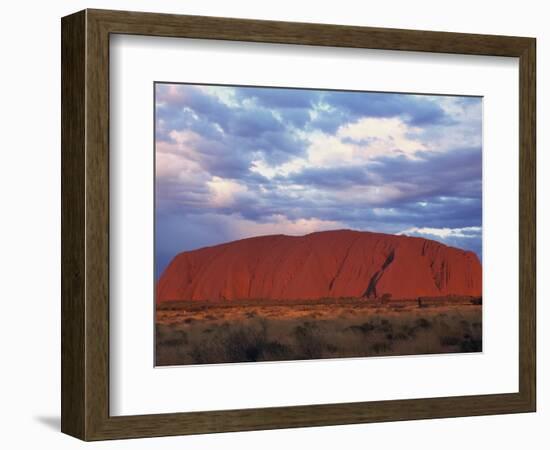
point(85, 224)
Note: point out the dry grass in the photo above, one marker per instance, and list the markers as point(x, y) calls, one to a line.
point(206, 333)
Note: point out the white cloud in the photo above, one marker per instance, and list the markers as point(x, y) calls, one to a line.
point(383, 136)
point(373, 137)
point(329, 151)
point(170, 165)
point(225, 94)
point(444, 233)
point(279, 224)
point(178, 159)
point(465, 129)
point(185, 139)
point(370, 194)
point(224, 192)
point(264, 169)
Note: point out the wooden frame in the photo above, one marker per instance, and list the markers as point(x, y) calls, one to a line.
point(85, 224)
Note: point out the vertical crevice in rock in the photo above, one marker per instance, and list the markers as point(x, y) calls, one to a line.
point(371, 288)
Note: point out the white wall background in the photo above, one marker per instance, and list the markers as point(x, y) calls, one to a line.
point(30, 225)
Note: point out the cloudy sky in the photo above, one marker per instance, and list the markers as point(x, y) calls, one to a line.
point(234, 162)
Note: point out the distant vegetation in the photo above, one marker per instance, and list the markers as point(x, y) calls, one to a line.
point(203, 333)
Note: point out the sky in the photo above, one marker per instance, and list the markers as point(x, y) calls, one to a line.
point(235, 162)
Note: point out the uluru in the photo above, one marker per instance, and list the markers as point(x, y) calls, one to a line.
point(328, 264)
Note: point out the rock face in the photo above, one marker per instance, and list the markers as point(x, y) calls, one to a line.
point(330, 264)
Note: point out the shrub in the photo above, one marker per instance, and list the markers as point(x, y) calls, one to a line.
point(380, 347)
point(423, 323)
point(477, 301)
point(471, 345)
point(449, 341)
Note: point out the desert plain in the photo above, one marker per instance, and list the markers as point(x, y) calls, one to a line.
point(199, 332)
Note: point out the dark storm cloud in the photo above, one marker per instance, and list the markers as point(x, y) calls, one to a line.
point(227, 136)
point(414, 109)
point(253, 123)
point(176, 232)
point(453, 173)
point(393, 216)
point(279, 97)
point(192, 98)
point(329, 121)
point(330, 177)
point(430, 175)
point(240, 134)
point(172, 117)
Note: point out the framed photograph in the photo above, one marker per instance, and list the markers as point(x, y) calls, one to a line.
point(272, 225)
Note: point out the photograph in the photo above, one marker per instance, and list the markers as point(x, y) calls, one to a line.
point(302, 224)
point(266, 225)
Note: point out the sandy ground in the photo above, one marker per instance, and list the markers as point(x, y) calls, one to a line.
point(248, 331)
